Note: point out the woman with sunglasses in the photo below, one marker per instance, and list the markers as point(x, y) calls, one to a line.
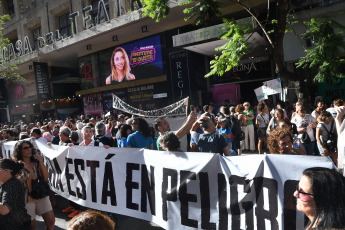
point(13, 214)
point(321, 197)
point(24, 151)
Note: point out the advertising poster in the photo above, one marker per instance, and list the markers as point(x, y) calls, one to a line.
point(108, 99)
point(93, 104)
point(273, 86)
point(260, 94)
point(42, 80)
point(148, 97)
point(220, 93)
point(132, 61)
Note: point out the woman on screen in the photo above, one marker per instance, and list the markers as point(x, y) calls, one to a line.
point(120, 69)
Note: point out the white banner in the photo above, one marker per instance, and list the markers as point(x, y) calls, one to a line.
point(181, 190)
point(260, 94)
point(272, 87)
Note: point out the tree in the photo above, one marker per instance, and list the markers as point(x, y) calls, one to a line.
point(7, 67)
point(203, 10)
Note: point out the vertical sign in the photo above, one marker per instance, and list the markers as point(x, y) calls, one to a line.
point(180, 81)
point(3, 94)
point(42, 80)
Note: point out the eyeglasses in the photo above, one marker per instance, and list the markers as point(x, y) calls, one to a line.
point(3, 170)
point(246, 105)
point(303, 196)
point(26, 148)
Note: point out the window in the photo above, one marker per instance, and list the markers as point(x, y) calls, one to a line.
point(65, 25)
point(36, 33)
point(10, 7)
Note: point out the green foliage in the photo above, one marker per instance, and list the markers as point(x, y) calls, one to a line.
point(156, 9)
point(327, 36)
point(204, 10)
point(7, 68)
point(232, 51)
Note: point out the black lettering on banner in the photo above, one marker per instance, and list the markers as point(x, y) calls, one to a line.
point(205, 201)
point(222, 197)
point(147, 189)
point(172, 196)
point(93, 165)
point(248, 209)
point(290, 204)
point(261, 214)
point(108, 182)
point(58, 173)
point(130, 185)
point(69, 176)
point(81, 163)
point(51, 171)
point(186, 197)
point(234, 203)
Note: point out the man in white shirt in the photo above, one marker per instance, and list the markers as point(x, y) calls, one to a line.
point(37, 134)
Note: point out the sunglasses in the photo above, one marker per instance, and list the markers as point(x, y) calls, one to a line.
point(303, 196)
point(26, 148)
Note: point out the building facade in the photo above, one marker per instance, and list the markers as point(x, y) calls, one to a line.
point(69, 49)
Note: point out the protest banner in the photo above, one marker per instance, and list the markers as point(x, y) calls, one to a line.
point(181, 190)
point(260, 94)
point(272, 87)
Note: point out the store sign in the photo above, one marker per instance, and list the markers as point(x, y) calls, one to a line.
point(198, 35)
point(18, 49)
point(42, 80)
point(87, 69)
point(180, 80)
point(133, 61)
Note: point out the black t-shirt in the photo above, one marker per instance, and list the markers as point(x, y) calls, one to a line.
point(12, 194)
point(212, 143)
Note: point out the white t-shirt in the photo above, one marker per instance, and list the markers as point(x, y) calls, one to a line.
point(315, 114)
point(263, 120)
point(302, 122)
point(42, 139)
point(324, 133)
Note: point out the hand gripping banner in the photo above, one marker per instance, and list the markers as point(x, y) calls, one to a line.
point(181, 190)
point(178, 108)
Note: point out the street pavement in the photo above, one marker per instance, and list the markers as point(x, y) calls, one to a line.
point(121, 222)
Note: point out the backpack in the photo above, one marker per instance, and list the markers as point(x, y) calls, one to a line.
point(235, 126)
point(331, 142)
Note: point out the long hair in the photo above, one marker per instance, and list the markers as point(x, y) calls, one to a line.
point(126, 68)
point(142, 126)
point(328, 189)
point(17, 152)
point(123, 131)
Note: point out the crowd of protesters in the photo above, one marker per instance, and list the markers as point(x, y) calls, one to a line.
point(226, 130)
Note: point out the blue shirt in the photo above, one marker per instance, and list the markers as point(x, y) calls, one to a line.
point(122, 142)
point(221, 131)
point(140, 140)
